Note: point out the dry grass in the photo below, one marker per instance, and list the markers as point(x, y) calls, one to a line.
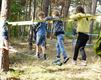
point(24, 66)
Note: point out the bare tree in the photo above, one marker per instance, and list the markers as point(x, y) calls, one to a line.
point(4, 58)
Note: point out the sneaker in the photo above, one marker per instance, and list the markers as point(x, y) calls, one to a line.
point(65, 60)
point(44, 56)
point(84, 63)
point(57, 62)
point(37, 55)
point(74, 62)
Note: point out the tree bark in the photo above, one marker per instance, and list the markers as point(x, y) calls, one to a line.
point(4, 8)
point(4, 53)
point(31, 28)
point(66, 7)
point(29, 9)
point(26, 10)
point(100, 2)
point(66, 10)
point(94, 5)
point(34, 12)
point(0, 4)
point(88, 6)
point(46, 4)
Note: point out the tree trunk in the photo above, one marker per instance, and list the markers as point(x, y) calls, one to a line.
point(33, 11)
point(94, 5)
point(66, 7)
point(4, 54)
point(29, 9)
point(66, 10)
point(30, 38)
point(26, 10)
point(46, 4)
point(31, 29)
point(50, 9)
point(0, 4)
point(100, 2)
point(88, 6)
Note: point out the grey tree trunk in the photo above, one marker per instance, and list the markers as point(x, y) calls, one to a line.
point(32, 14)
point(88, 6)
point(0, 4)
point(66, 9)
point(31, 29)
point(30, 9)
point(94, 5)
point(4, 53)
point(26, 7)
point(46, 4)
point(34, 8)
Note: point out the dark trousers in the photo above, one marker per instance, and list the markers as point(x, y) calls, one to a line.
point(80, 45)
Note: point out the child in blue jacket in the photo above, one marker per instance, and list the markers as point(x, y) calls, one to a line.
point(40, 32)
point(58, 30)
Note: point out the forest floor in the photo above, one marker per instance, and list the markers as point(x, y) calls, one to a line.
point(24, 66)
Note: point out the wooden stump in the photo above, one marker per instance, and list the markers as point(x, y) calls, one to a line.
point(4, 59)
point(13, 78)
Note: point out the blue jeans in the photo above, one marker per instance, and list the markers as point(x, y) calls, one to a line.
point(60, 46)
